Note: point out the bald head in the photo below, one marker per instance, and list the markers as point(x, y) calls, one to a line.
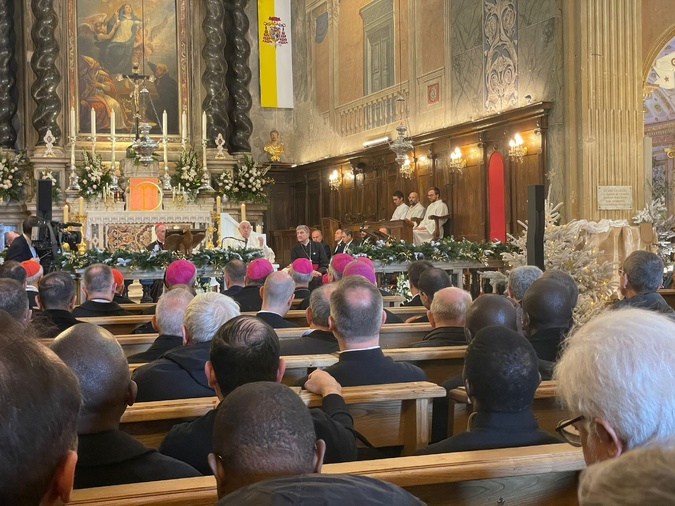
point(488, 310)
point(99, 364)
point(546, 305)
point(277, 293)
point(263, 430)
point(566, 279)
point(449, 307)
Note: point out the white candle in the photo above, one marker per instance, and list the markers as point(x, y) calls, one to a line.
point(242, 211)
point(112, 123)
point(165, 132)
point(112, 140)
point(72, 122)
point(173, 195)
point(258, 229)
point(218, 204)
point(183, 129)
point(80, 203)
point(65, 213)
point(204, 125)
point(93, 123)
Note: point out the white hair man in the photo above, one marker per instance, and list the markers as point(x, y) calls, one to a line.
point(615, 378)
point(277, 297)
point(520, 279)
point(447, 315)
point(168, 321)
point(246, 238)
point(179, 373)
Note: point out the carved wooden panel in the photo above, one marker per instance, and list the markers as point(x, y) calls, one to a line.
point(522, 175)
point(469, 204)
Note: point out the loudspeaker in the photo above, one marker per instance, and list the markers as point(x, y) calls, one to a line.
point(44, 199)
point(536, 220)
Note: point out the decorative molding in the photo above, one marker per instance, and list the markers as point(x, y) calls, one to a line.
point(8, 92)
point(47, 75)
point(375, 10)
point(217, 98)
point(500, 60)
point(237, 52)
point(431, 80)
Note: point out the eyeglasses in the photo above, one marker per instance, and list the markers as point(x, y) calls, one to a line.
point(569, 432)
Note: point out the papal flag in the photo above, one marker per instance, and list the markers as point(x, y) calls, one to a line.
point(276, 62)
point(665, 71)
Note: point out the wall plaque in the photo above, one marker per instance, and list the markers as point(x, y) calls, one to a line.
point(611, 198)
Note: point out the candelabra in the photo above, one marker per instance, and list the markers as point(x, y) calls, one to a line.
point(457, 163)
point(516, 149)
point(215, 216)
point(206, 180)
point(334, 181)
point(73, 183)
point(166, 179)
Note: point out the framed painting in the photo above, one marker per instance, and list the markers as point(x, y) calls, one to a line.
point(111, 39)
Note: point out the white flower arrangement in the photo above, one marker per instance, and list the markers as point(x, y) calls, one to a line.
point(15, 168)
point(187, 173)
point(93, 176)
point(245, 184)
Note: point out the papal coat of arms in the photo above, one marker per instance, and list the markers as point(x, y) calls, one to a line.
point(275, 33)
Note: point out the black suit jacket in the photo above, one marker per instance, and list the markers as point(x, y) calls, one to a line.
point(178, 374)
point(415, 301)
point(275, 320)
point(115, 458)
point(233, 290)
point(339, 248)
point(318, 342)
point(161, 345)
point(192, 442)
point(248, 298)
point(326, 249)
point(494, 430)
point(51, 322)
point(442, 336)
point(547, 342)
point(371, 367)
point(19, 250)
point(93, 308)
point(314, 251)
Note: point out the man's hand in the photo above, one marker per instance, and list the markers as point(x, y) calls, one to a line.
point(322, 383)
point(316, 274)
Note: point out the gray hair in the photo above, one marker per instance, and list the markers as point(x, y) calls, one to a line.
point(644, 271)
point(620, 367)
point(13, 299)
point(319, 303)
point(98, 278)
point(206, 313)
point(641, 476)
point(170, 311)
point(298, 277)
point(303, 227)
point(443, 311)
point(520, 279)
point(356, 308)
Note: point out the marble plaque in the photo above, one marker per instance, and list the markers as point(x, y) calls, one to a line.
point(611, 198)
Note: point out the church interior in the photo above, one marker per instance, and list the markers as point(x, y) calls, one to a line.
point(120, 118)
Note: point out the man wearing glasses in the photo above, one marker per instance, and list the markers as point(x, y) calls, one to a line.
point(639, 279)
point(616, 378)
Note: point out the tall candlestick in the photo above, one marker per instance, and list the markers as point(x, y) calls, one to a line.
point(72, 122)
point(65, 213)
point(183, 128)
point(93, 122)
point(165, 132)
point(80, 203)
point(204, 126)
point(112, 140)
point(112, 123)
point(242, 211)
point(204, 154)
point(72, 153)
point(218, 204)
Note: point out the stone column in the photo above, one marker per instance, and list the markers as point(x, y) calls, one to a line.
point(237, 52)
point(8, 99)
point(602, 104)
point(47, 75)
point(217, 95)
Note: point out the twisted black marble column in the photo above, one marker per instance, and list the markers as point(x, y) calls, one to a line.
point(8, 98)
point(47, 75)
point(214, 77)
point(237, 53)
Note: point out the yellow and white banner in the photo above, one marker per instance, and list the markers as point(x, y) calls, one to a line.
point(276, 62)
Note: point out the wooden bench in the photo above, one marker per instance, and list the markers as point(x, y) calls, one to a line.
point(532, 475)
point(388, 415)
point(388, 300)
point(298, 316)
point(137, 308)
point(545, 407)
point(118, 324)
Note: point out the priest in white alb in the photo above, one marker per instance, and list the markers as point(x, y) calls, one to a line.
point(424, 232)
point(245, 237)
point(401, 207)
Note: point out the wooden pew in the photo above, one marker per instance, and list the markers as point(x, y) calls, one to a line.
point(118, 324)
point(546, 408)
point(137, 308)
point(298, 316)
point(526, 476)
point(389, 301)
point(388, 415)
point(131, 343)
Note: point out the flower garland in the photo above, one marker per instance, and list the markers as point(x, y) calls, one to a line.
point(245, 184)
point(444, 250)
point(15, 170)
point(187, 174)
point(144, 260)
point(93, 176)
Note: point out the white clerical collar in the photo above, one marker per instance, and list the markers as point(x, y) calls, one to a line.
point(101, 300)
point(361, 349)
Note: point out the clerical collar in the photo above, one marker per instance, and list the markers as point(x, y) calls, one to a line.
point(101, 300)
point(305, 243)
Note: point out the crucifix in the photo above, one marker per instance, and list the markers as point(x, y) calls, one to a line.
point(137, 81)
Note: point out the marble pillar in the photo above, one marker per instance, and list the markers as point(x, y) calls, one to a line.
point(8, 99)
point(217, 95)
point(603, 104)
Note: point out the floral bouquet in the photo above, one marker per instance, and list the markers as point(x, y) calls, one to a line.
point(246, 184)
point(93, 176)
point(187, 173)
point(15, 168)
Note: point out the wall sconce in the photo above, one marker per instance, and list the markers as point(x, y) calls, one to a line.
point(516, 149)
point(408, 168)
point(334, 181)
point(457, 163)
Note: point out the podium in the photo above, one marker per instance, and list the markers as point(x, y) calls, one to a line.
point(400, 229)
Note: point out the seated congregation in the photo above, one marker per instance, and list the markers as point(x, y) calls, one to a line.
point(65, 384)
